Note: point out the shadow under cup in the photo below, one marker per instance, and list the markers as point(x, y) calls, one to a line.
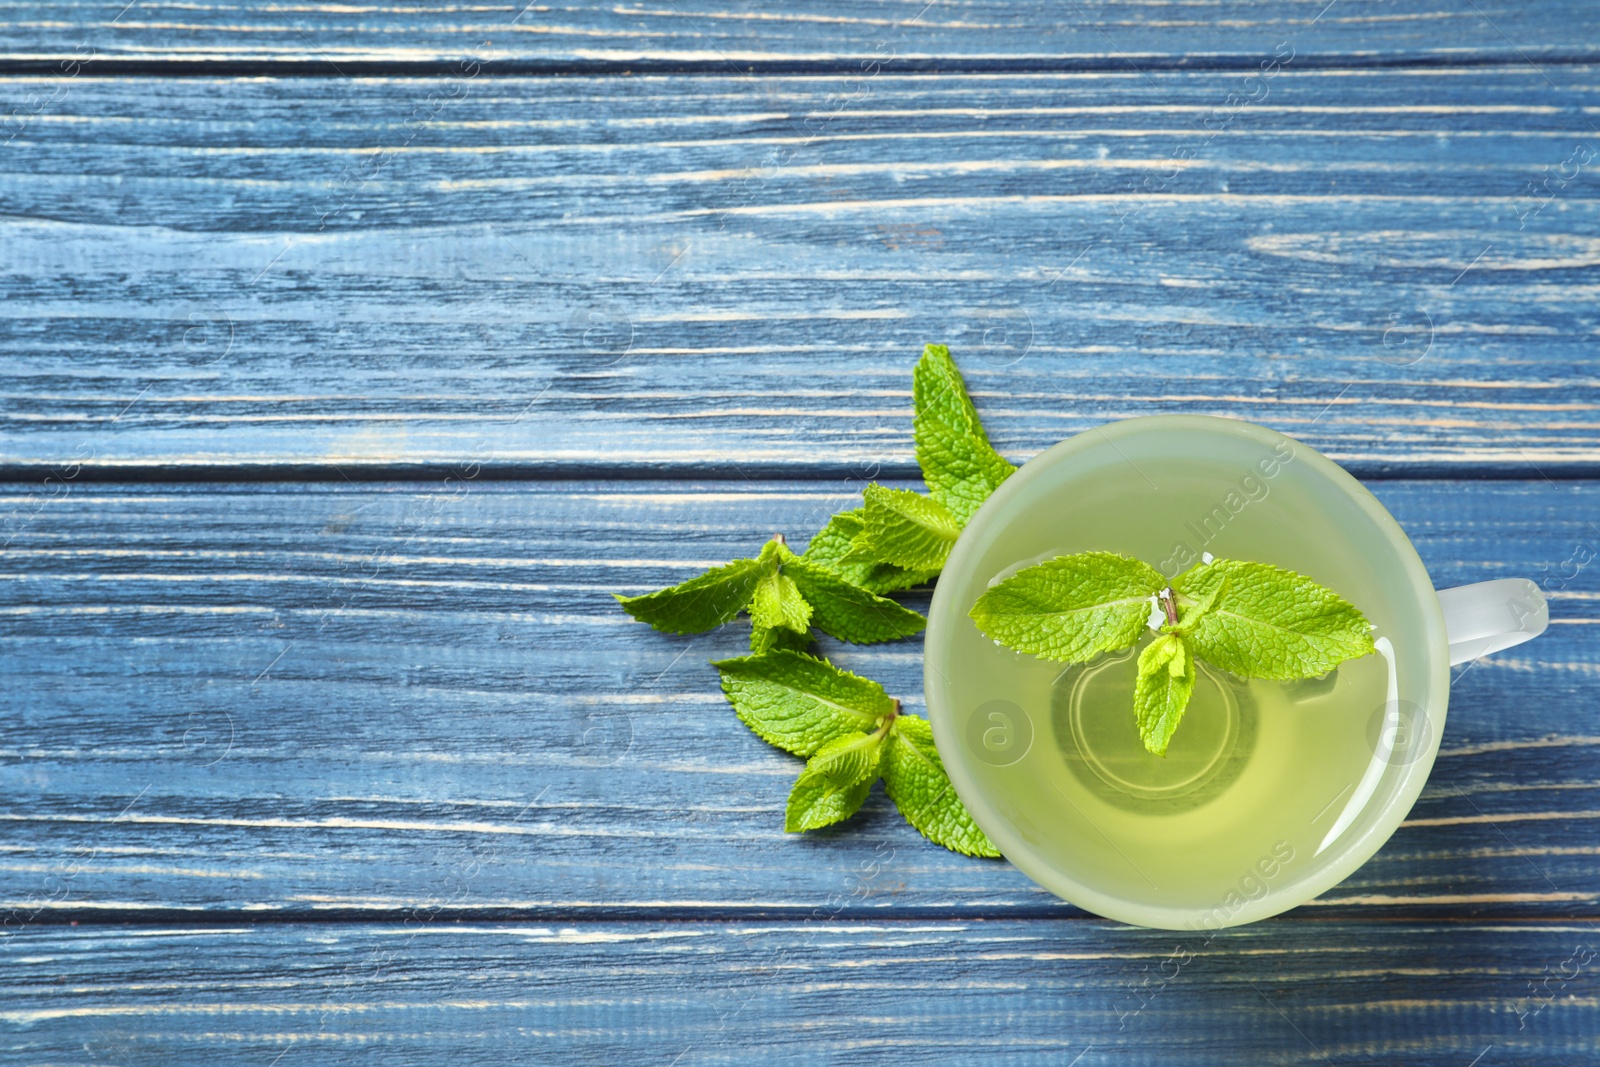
point(1271, 792)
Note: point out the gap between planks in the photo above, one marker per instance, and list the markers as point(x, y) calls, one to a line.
point(141, 916)
point(291, 473)
point(739, 66)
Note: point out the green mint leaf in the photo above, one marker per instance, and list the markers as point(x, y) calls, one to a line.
point(835, 541)
point(800, 703)
point(1268, 622)
point(958, 463)
point(847, 611)
point(768, 638)
point(835, 783)
point(914, 777)
point(1070, 608)
point(1162, 690)
point(1192, 608)
point(832, 543)
point(701, 603)
point(905, 529)
point(777, 602)
point(779, 615)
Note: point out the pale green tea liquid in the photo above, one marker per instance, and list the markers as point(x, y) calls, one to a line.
point(1262, 778)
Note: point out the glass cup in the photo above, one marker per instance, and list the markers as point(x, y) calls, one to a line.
point(1271, 792)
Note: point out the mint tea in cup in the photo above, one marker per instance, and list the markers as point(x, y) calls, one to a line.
point(1269, 791)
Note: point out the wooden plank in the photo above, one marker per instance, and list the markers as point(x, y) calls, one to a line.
point(342, 701)
point(737, 35)
point(725, 277)
point(821, 991)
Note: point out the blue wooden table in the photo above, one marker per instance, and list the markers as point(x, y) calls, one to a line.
point(354, 354)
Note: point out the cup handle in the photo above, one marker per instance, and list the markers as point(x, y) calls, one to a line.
point(1486, 617)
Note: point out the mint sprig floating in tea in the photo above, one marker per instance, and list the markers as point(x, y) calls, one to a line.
point(851, 732)
point(1250, 619)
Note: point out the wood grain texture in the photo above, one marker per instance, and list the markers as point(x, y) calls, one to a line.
point(737, 34)
point(823, 991)
point(390, 700)
point(1372, 225)
point(730, 277)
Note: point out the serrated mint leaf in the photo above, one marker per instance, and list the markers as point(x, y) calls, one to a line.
point(835, 540)
point(914, 777)
point(958, 463)
point(1071, 608)
point(1162, 690)
point(905, 529)
point(832, 543)
point(777, 602)
point(835, 783)
point(847, 611)
point(1268, 622)
point(701, 603)
point(800, 703)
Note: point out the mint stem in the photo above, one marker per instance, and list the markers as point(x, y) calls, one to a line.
point(1169, 604)
point(888, 720)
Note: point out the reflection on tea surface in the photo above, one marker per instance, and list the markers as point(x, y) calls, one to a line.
point(1098, 738)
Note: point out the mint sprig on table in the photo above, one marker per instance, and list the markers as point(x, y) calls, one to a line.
point(851, 732)
point(1250, 619)
point(782, 592)
point(899, 538)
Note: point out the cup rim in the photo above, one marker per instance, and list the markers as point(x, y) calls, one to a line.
point(1349, 854)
